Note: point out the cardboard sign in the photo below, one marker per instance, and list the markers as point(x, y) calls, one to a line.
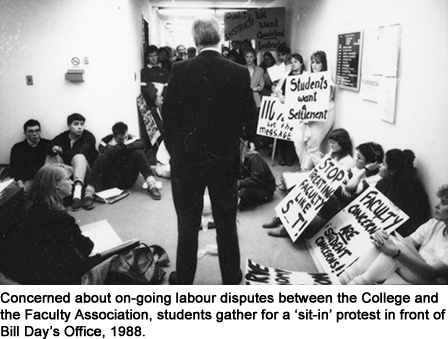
point(239, 25)
point(307, 96)
point(257, 274)
point(306, 199)
point(265, 25)
point(271, 122)
point(148, 119)
point(270, 28)
point(347, 235)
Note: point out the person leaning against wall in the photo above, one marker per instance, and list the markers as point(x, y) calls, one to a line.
point(28, 156)
point(75, 147)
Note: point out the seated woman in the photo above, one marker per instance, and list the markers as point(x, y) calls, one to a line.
point(366, 173)
point(401, 184)
point(421, 258)
point(257, 183)
point(51, 249)
point(341, 151)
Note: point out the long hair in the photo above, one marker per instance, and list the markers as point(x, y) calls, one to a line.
point(299, 58)
point(405, 189)
point(44, 188)
point(372, 151)
point(322, 57)
point(342, 137)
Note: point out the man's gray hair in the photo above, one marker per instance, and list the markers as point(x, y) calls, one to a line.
point(205, 31)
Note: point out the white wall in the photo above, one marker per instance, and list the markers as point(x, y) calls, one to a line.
point(422, 98)
point(38, 37)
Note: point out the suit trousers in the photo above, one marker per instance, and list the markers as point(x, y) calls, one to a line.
point(188, 201)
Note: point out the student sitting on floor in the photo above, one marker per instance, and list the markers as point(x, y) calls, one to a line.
point(421, 258)
point(28, 156)
point(75, 147)
point(257, 183)
point(120, 161)
point(49, 248)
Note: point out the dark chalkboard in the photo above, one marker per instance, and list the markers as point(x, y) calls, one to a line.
point(348, 66)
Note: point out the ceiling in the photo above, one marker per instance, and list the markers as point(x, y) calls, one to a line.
point(177, 15)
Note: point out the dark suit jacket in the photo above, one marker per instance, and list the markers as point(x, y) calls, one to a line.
point(208, 99)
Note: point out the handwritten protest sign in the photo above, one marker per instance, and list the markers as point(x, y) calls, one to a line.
point(239, 25)
point(265, 25)
point(257, 274)
point(307, 96)
point(271, 122)
point(148, 119)
point(270, 28)
point(306, 199)
point(347, 235)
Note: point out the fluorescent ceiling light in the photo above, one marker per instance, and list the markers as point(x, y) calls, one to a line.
point(185, 11)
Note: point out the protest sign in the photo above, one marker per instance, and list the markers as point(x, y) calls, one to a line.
point(148, 119)
point(265, 25)
point(307, 96)
point(271, 122)
point(306, 199)
point(270, 28)
point(347, 235)
point(257, 274)
point(239, 25)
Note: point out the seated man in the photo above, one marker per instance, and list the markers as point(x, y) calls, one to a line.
point(120, 161)
point(75, 147)
point(28, 156)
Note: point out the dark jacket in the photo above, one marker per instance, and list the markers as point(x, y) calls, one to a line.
point(256, 173)
point(26, 160)
point(52, 249)
point(208, 99)
point(84, 145)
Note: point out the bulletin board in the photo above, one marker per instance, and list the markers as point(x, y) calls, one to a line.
point(348, 65)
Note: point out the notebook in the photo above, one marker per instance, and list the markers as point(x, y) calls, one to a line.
point(111, 196)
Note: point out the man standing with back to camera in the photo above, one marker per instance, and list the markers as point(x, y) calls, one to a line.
point(208, 99)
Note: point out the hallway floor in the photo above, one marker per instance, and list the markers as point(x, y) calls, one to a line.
point(154, 222)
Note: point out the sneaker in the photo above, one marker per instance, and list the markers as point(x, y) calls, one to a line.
point(154, 192)
point(279, 232)
point(76, 204)
point(273, 223)
point(88, 203)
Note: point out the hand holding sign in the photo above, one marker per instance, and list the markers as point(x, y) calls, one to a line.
point(302, 204)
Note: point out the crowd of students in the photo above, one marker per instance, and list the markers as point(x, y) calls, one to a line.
point(69, 170)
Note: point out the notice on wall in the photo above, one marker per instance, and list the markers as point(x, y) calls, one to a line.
point(305, 200)
point(346, 236)
point(348, 65)
point(265, 25)
point(271, 122)
point(257, 274)
point(307, 96)
point(148, 120)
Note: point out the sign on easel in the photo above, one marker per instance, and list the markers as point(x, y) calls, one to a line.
point(307, 96)
point(271, 122)
point(346, 236)
point(305, 200)
point(148, 119)
point(257, 274)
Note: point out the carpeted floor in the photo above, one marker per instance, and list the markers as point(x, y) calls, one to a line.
point(155, 222)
